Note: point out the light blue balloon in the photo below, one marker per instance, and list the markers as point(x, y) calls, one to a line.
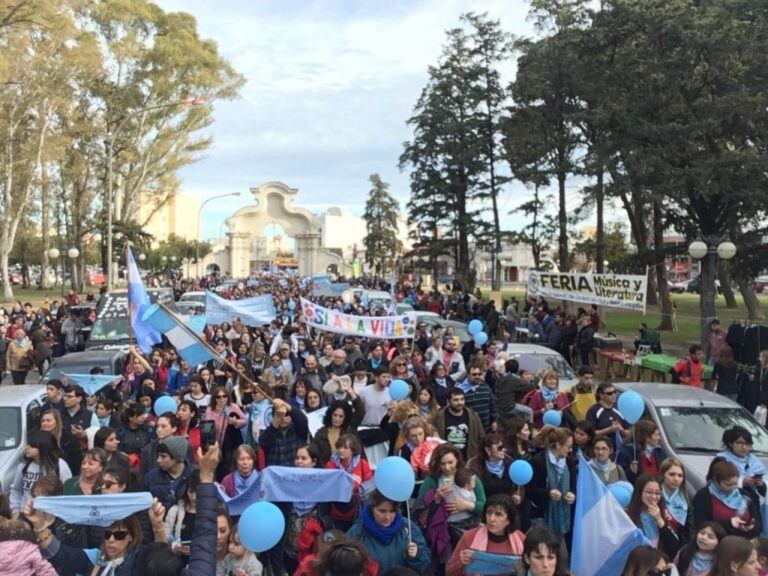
point(481, 338)
point(165, 404)
point(520, 472)
point(552, 418)
point(261, 526)
point(622, 491)
point(394, 478)
point(292, 304)
point(398, 390)
point(474, 327)
point(631, 406)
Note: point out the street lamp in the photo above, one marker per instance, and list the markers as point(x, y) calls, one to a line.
point(112, 136)
point(200, 222)
point(73, 253)
point(53, 254)
point(711, 247)
point(142, 257)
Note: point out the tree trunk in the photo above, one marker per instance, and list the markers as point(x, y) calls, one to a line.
point(707, 295)
point(723, 274)
point(754, 310)
point(45, 224)
point(665, 301)
point(562, 220)
point(600, 233)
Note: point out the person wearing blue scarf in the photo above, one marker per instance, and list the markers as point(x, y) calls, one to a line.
point(697, 557)
point(722, 501)
point(738, 450)
point(648, 512)
point(388, 537)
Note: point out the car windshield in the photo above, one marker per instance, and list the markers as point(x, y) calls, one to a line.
point(701, 428)
point(110, 329)
point(543, 362)
point(10, 427)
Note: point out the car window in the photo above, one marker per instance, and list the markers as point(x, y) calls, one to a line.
point(34, 411)
point(701, 428)
point(10, 427)
point(543, 362)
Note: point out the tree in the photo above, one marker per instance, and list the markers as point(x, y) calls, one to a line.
point(614, 247)
point(382, 245)
point(541, 231)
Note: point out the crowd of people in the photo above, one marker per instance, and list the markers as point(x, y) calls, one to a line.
point(286, 394)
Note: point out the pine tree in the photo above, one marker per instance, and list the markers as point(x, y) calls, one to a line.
point(381, 242)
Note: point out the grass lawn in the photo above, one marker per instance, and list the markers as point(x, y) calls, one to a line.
point(624, 323)
point(36, 296)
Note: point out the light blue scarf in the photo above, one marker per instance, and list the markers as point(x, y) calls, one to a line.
point(649, 448)
point(466, 387)
point(702, 563)
point(94, 510)
point(749, 465)
point(735, 500)
point(441, 382)
point(495, 468)
point(677, 505)
point(241, 484)
point(549, 394)
point(602, 465)
point(650, 528)
point(558, 478)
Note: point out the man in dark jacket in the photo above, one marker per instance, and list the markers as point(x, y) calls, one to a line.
point(75, 417)
point(168, 482)
point(288, 431)
point(510, 391)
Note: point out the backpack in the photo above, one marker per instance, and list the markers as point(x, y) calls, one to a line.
point(676, 376)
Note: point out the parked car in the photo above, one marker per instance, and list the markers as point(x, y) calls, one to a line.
point(189, 307)
point(679, 287)
point(694, 285)
point(198, 297)
point(431, 319)
point(112, 361)
point(692, 422)
point(20, 409)
point(376, 298)
point(111, 330)
point(535, 357)
point(404, 308)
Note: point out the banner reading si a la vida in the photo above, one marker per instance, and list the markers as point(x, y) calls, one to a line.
point(330, 320)
point(613, 290)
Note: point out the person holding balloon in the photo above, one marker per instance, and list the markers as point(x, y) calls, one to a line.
point(645, 454)
point(388, 537)
point(499, 534)
point(548, 397)
point(605, 417)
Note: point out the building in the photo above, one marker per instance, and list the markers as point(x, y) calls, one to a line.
point(321, 242)
point(179, 216)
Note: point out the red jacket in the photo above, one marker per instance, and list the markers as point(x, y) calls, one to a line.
point(361, 473)
point(536, 403)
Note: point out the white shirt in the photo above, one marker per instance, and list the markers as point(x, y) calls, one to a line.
point(375, 402)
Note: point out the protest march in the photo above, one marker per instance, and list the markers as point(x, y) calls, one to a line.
point(285, 429)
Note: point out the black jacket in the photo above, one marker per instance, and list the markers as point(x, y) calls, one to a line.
point(702, 512)
point(537, 488)
point(164, 487)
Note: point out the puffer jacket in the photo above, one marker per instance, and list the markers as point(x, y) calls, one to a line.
point(396, 552)
point(23, 558)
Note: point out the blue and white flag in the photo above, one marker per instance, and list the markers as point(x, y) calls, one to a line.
point(255, 311)
point(145, 335)
point(289, 484)
point(598, 512)
point(92, 383)
point(188, 344)
point(94, 510)
point(490, 563)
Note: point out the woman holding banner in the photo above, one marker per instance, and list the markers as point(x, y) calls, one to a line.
point(499, 534)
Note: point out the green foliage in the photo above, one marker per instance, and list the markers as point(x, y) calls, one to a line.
point(382, 246)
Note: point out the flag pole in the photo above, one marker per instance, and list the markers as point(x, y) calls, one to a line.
point(131, 337)
point(181, 323)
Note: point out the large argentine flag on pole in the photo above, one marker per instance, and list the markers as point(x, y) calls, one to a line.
point(603, 534)
point(138, 300)
point(188, 344)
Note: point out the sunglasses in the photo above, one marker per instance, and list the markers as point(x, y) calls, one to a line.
point(610, 393)
point(108, 484)
point(221, 395)
point(119, 535)
point(657, 572)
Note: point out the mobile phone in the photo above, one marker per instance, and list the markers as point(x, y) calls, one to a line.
point(207, 434)
point(757, 476)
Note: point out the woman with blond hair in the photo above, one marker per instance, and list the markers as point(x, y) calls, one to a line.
point(547, 397)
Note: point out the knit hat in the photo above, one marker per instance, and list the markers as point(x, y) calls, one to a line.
point(175, 446)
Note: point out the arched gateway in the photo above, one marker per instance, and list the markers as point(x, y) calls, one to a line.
point(274, 205)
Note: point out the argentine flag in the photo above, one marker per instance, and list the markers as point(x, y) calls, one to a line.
point(187, 343)
point(603, 534)
point(146, 336)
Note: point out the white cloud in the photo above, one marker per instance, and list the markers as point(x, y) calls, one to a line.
point(330, 87)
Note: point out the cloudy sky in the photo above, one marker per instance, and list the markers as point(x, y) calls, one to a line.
point(330, 85)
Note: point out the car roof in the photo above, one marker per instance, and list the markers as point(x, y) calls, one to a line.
point(530, 349)
point(678, 395)
point(193, 293)
point(18, 395)
point(98, 355)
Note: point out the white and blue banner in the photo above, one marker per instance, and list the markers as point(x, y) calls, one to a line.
point(328, 288)
point(255, 311)
point(289, 484)
point(598, 512)
point(94, 510)
point(492, 564)
point(612, 290)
